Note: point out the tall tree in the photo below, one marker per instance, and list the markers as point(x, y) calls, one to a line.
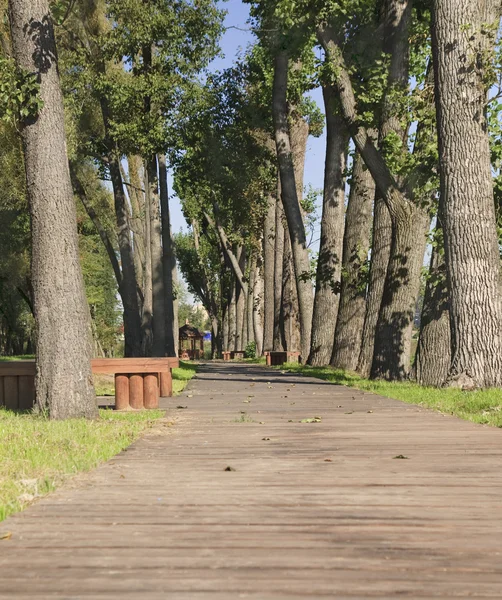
point(463, 34)
point(63, 349)
point(329, 262)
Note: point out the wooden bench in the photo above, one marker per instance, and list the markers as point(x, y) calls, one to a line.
point(233, 354)
point(138, 381)
point(275, 357)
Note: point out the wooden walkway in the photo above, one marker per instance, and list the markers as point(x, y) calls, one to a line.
point(308, 510)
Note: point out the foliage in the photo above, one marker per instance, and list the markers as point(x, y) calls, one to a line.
point(250, 350)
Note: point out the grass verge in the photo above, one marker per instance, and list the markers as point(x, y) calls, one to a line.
point(37, 455)
point(482, 406)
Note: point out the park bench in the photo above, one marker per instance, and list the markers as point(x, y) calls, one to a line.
point(138, 381)
point(233, 354)
point(276, 357)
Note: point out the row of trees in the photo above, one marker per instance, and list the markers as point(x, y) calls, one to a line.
point(411, 132)
point(117, 90)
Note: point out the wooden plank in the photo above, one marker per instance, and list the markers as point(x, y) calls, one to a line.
point(11, 392)
point(311, 510)
point(26, 392)
point(17, 367)
point(133, 365)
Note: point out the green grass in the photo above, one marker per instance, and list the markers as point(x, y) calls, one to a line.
point(37, 455)
point(20, 357)
point(482, 406)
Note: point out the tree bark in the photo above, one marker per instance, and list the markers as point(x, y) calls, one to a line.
point(380, 254)
point(356, 245)
point(329, 263)
point(268, 274)
point(137, 198)
point(279, 341)
point(169, 265)
point(158, 293)
point(461, 43)
point(240, 303)
point(257, 306)
point(147, 316)
point(63, 380)
point(433, 358)
point(290, 317)
point(290, 199)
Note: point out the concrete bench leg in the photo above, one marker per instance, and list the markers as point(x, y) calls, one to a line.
point(121, 391)
point(136, 394)
point(166, 384)
point(151, 390)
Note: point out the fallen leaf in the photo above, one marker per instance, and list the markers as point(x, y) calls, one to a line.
point(262, 422)
point(179, 406)
point(6, 536)
point(328, 460)
point(312, 420)
point(370, 411)
point(349, 413)
point(402, 456)
point(190, 396)
point(246, 401)
point(229, 469)
point(265, 439)
point(122, 477)
point(290, 421)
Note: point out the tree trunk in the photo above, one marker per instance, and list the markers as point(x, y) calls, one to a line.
point(290, 319)
point(232, 316)
point(461, 44)
point(137, 198)
point(356, 244)
point(279, 341)
point(392, 353)
point(257, 308)
point(290, 200)
point(329, 263)
point(380, 253)
point(250, 302)
point(146, 319)
point(268, 274)
point(63, 383)
point(433, 358)
point(240, 304)
point(169, 265)
point(158, 294)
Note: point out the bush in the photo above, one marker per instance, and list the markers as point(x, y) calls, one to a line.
point(250, 351)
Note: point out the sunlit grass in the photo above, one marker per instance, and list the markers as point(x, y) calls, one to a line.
point(37, 455)
point(481, 406)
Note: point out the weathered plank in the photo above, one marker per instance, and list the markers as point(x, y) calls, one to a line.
point(319, 510)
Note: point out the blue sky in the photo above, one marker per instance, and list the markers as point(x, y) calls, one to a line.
point(233, 43)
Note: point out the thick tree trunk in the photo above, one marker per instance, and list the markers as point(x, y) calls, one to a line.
point(290, 318)
point(232, 316)
point(461, 45)
point(356, 244)
point(268, 274)
point(380, 253)
point(392, 353)
point(290, 200)
point(63, 383)
point(158, 293)
point(169, 265)
point(329, 263)
point(240, 304)
point(137, 198)
point(147, 316)
point(433, 358)
point(257, 308)
point(250, 302)
point(279, 341)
